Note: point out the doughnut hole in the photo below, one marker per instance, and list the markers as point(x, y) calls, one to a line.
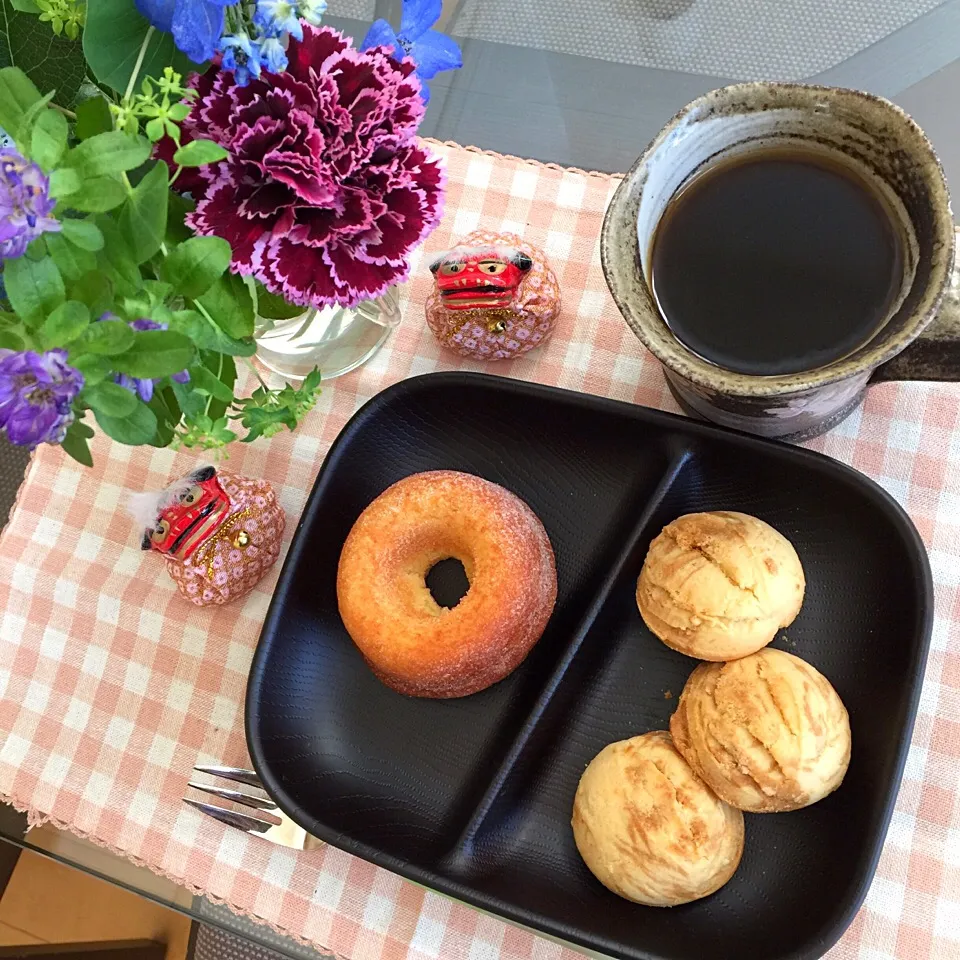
point(447, 582)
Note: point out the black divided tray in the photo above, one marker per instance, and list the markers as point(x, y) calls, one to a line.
point(472, 797)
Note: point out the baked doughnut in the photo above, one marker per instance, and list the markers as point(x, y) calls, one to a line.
point(409, 641)
point(718, 586)
point(767, 732)
point(649, 829)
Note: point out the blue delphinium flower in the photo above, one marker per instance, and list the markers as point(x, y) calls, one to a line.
point(276, 17)
point(312, 11)
point(431, 50)
point(273, 55)
point(36, 396)
point(25, 204)
point(196, 25)
point(241, 55)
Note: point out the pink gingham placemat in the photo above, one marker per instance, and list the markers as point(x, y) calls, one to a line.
point(112, 687)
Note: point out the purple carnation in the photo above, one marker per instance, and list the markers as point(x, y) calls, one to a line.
point(326, 190)
point(25, 205)
point(36, 396)
point(141, 386)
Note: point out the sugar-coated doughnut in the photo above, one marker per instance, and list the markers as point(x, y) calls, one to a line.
point(410, 642)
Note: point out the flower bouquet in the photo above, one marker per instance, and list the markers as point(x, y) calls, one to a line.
point(178, 169)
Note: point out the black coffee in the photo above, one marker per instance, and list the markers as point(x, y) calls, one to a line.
point(776, 262)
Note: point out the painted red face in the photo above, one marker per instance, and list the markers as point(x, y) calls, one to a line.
point(183, 526)
point(478, 281)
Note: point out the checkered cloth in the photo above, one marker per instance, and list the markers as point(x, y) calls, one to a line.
point(113, 686)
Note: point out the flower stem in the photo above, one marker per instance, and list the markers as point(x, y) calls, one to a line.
point(69, 114)
point(256, 372)
point(138, 64)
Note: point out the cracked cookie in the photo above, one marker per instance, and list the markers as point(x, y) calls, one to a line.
point(649, 829)
point(767, 732)
point(718, 586)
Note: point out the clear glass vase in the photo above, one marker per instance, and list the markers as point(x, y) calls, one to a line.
point(335, 339)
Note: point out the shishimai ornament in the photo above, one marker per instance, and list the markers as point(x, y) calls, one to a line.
point(495, 297)
point(219, 533)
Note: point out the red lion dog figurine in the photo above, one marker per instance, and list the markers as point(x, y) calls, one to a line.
point(495, 297)
point(219, 533)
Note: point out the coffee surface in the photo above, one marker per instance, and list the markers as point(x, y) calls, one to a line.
point(776, 262)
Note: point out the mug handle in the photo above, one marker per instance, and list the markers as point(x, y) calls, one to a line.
point(935, 354)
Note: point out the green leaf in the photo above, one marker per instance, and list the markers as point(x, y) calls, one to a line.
point(34, 287)
point(229, 305)
point(190, 402)
point(157, 290)
point(178, 207)
point(167, 417)
point(225, 370)
point(49, 138)
point(24, 6)
point(272, 307)
point(154, 129)
point(93, 117)
point(64, 182)
point(97, 194)
point(95, 290)
point(66, 323)
point(206, 382)
point(112, 38)
point(51, 62)
point(156, 353)
point(75, 444)
point(18, 93)
point(94, 368)
point(198, 153)
point(37, 248)
point(23, 132)
point(10, 341)
point(116, 259)
point(194, 265)
point(83, 429)
point(208, 336)
point(110, 399)
point(71, 261)
point(108, 337)
point(108, 153)
point(180, 111)
point(84, 234)
point(134, 428)
point(143, 218)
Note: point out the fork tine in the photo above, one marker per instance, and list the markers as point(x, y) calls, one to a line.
point(258, 803)
point(232, 819)
point(237, 774)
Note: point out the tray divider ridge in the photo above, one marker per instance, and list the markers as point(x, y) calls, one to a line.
point(673, 469)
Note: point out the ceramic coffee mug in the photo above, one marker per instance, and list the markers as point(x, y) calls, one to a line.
point(921, 338)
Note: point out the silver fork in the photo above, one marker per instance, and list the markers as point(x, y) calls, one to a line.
point(271, 823)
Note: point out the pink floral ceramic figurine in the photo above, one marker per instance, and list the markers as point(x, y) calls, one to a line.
point(495, 297)
point(219, 533)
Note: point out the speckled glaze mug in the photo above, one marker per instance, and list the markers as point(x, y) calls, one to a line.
point(920, 339)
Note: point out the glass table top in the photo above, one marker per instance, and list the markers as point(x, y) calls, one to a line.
point(588, 84)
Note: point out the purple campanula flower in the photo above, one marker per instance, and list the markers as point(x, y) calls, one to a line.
point(143, 387)
point(25, 205)
point(36, 396)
